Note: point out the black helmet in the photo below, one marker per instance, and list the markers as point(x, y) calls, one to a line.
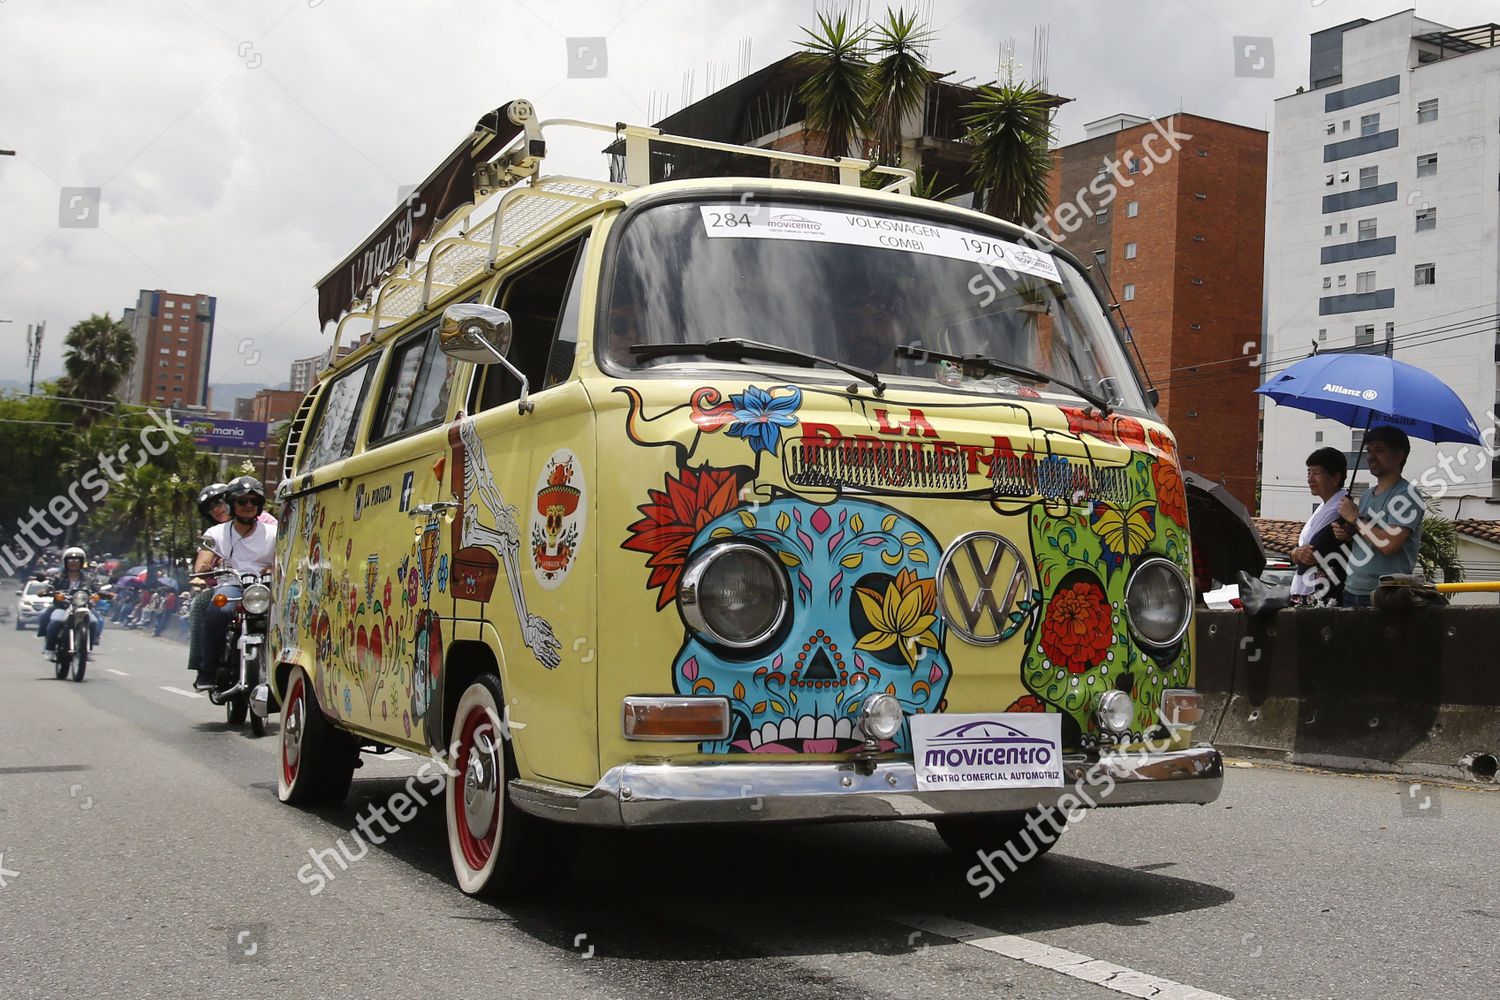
point(212, 494)
point(245, 486)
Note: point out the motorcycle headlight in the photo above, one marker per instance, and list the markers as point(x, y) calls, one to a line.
point(80, 600)
point(256, 599)
point(1158, 602)
point(734, 594)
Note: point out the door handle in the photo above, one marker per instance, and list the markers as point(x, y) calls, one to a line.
point(429, 509)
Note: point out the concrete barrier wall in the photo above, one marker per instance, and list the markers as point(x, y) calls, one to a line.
point(1410, 692)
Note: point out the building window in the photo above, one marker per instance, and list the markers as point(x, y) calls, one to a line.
point(182, 354)
point(1330, 128)
point(1132, 209)
point(1129, 293)
point(1130, 251)
point(1369, 177)
point(1427, 111)
point(1200, 195)
point(166, 350)
point(162, 364)
point(1344, 177)
point(1328, 180)
point(1390, 331)
point(1427, 165)
point(1369, 124)
point(1343, 228)
point(1328, 230)
point(1346, 124)
point(1364, 281)
point(1101, 216)
point(1366, 229)
point(1322, 334)
point(1364, 335)
point(170, 316)
point(1426, 274)
point(1327, 282)
point(1132, 165)
point(1426, 219)
point(1317, 437)
point(1343, 280)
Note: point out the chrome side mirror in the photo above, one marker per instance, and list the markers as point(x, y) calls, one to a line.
point(482, 335)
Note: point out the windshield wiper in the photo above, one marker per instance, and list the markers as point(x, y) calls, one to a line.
point(1005, 368)
point(740, 348)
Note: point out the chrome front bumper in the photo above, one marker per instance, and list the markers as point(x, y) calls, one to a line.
point(644, 795)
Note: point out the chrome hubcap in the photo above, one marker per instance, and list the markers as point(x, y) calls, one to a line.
point(480, 785)
point(291, 732)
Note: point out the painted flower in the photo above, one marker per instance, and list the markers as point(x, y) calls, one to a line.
point(1126, 431)
point(411, 588)
point(1163, 444)
point(1130, 431)
point(1171, 498)
point(387, 597)
point(1076, 632)
point(903, 616)
point(442, 574)
point(760, 416)
point(348, 701)
point(1028, 703)
point(673, 516)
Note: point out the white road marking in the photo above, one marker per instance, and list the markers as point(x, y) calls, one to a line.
point(112, 670)
point(1070, 963)
point(396, 755)
point(185, 694)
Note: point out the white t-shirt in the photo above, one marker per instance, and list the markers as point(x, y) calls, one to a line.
point(252, 553)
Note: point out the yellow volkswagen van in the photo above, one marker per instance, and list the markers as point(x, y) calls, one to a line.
point(728, 500)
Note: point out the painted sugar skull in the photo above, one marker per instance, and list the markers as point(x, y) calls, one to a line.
point(862, 618)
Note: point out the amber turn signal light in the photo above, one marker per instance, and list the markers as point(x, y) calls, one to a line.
point(220, 600)
point(667, 718)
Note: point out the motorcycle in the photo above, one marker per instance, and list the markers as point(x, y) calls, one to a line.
point(242, 686)
point(75, 641)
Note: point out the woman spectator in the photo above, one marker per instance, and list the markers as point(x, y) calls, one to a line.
point(1321, 560)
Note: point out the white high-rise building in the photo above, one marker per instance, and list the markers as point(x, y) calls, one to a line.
point(1384, 235)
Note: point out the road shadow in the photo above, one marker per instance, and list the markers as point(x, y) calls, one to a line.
point(815, 890)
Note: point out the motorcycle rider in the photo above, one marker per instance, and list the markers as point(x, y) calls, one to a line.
point(244, 544)
point(74, 574)
point(215, 511)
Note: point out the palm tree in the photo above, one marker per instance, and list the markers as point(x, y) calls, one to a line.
point(837, 94)
point(899, 80)
point(97, 356)
point(1010, 129)
point(1437, 554)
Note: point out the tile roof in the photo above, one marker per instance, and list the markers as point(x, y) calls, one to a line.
point(1485, 531)
point(1278, 536)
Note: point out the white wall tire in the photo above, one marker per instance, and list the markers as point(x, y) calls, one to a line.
point(314, 761)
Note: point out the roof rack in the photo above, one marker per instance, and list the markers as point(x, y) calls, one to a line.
point(530, 208)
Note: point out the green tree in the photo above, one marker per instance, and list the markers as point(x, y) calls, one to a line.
point(1010, 130)
point(899, 79)
point(837, 94)
point(1437, 553)
point(34, 437)
point(97, 356)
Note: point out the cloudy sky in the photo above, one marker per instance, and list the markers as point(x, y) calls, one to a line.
point(243, 148)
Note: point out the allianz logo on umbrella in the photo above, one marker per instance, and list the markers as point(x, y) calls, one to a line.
point(1345, 391)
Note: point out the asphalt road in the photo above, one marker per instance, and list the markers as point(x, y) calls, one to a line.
point(143, 853)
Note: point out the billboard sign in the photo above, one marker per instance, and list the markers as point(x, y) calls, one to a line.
point(214, 433)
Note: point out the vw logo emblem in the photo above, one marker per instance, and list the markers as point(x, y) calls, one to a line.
point(979, 580)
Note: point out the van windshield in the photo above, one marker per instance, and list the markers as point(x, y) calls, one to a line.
point(875, 290)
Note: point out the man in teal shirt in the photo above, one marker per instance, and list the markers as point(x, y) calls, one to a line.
point(1387, 525)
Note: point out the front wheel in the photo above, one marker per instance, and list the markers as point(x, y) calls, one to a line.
point(316, 760)
point(257, 725)
point(234, 711)
point(80, 652)
point(496, 849)
point(64, 661)
point(1023, 835)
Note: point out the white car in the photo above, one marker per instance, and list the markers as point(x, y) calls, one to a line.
point(31, 604)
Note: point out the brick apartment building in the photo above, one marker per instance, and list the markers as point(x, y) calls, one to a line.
point(174, 336)
point(1181, 244)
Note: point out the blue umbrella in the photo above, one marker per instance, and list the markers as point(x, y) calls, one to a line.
point(1364, 390)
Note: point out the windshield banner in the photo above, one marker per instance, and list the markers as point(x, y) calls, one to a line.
point(855, 229)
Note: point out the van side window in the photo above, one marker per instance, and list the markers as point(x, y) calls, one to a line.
point(416, 389)
point(543, 307)
point(332, 436)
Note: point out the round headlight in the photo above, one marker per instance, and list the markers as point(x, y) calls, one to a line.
point(256, 599)
point(881, 716)
point(735, 594)
point(1158, 602)
point(1113, 711)
point(80, 600)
